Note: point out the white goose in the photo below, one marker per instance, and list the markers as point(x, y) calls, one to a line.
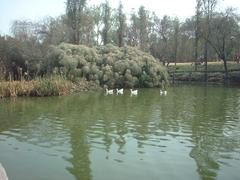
point(134, 92)
point(119, 91)
point(163, 92)
point(110, 91)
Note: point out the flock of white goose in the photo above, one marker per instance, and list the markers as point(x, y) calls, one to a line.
point(132, 92)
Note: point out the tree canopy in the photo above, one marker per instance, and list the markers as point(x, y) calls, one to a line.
point(209, 34)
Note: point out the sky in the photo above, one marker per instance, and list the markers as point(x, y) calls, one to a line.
point(35, 10)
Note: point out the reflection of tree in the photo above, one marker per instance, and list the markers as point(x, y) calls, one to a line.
point(91, 122)
point(37, 121)
point(80, 110)
point(203, 152)
point(29, 119)
point(81, 168)
point(202, 112)
point(141, 110)
point(207, 131)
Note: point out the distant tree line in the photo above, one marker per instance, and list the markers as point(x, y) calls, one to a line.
point(208, 35)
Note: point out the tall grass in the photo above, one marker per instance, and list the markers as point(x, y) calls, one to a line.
point(47, 86)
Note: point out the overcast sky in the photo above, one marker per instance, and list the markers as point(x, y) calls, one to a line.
point(34, 10)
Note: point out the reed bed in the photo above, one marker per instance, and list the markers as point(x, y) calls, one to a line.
point(47, 86)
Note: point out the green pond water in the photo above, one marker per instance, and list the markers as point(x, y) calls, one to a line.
point(192, 133)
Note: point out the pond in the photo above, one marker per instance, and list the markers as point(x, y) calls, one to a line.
point(191, 133)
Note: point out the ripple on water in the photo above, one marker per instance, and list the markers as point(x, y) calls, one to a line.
point(190, 129)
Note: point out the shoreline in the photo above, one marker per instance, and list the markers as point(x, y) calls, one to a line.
point(76, 89)
point(199, 77)
point(59, 86)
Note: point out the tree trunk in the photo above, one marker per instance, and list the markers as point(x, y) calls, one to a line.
point(196, 42)
point(196, 51)
point(77, 37)
point(224, 59)
point(206, 61)
point(225, 68)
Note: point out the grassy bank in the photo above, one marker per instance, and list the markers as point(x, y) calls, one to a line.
point(215, 77)
point(212, 67)
point(48, 86)
point(186, 72)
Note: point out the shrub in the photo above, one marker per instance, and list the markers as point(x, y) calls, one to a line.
point(110, 65)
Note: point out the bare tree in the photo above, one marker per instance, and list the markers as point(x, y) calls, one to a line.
point(121, 25)
point(143, 28)
point(208, 7)
point(197, 26)
point(225, 27)
point(74, 11)
point(133, 30)
point(106, 22)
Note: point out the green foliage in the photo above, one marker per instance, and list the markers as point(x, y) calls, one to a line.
point(108, 65)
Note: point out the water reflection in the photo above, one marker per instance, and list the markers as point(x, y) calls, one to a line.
point(93, 132)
